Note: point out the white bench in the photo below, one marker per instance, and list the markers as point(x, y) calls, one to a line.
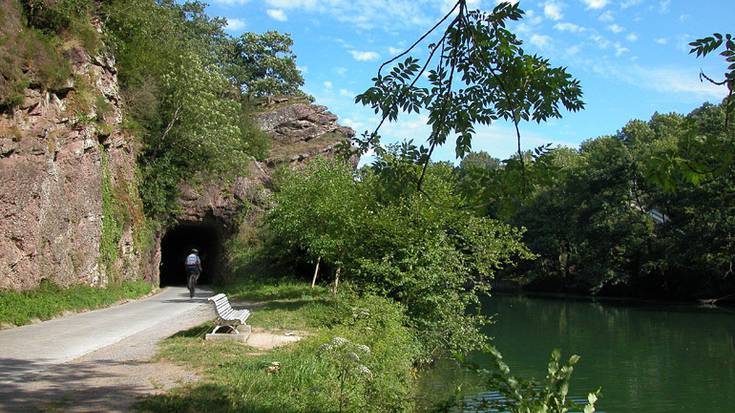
point(226, 315)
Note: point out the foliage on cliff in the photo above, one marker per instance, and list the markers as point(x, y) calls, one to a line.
point(187, 87)
point(28, 55)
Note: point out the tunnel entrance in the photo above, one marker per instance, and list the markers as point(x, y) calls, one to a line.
point(178, 242)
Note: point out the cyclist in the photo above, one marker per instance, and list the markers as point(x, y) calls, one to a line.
point(193, 267)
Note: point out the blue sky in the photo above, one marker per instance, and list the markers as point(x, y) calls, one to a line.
point(631, 57)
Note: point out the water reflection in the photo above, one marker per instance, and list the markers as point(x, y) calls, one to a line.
point(647, 358)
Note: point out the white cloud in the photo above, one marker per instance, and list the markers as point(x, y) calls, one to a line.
point(352, 123)
point(569, 27)
point(663, 6)
point(616, 28)
point(595, 4)
point(277, 14)
point(505, 1)
point(600, 41)
point(235, 24)
point(573, 50)
point(230, 2)
point(347, 93)
point(364, 56)
point(328, 84)
point(629, 3)
point(539, 40)
point(620, 49)
point(632, 37)
point(394, 51)
point(533, 18)
point(295, 4)
point(340, 70)
point(366, 14)
point(676, 80)
point(303, 69)
point(661, 40)
point(606, 17)
point(552, 10)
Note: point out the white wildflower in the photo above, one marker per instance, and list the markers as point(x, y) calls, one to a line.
point(363, 348)
point(365, 371)
point(339, 341)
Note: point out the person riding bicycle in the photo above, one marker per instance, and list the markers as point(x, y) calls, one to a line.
point(193, 267)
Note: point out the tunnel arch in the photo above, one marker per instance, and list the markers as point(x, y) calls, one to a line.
point(178, 242)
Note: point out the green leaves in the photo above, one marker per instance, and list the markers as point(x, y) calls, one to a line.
point(477, 73)
point(706, 45)
point(530, 396)
point(428, 253)
point(264, 64)
point(185, 83)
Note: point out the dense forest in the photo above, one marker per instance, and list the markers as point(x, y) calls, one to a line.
point(647, 212)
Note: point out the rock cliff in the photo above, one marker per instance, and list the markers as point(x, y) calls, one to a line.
point(59, 151)
point(300, 131)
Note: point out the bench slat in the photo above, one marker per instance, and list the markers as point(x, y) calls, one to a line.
point(225, 312)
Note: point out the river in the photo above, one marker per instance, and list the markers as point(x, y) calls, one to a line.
point(648, 358)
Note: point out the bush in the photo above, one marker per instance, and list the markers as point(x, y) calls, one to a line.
point(424, 252)
point(27, 57)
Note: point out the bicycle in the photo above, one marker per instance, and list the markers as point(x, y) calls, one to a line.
point(191, 283)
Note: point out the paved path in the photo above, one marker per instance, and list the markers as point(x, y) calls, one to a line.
point(95, 361)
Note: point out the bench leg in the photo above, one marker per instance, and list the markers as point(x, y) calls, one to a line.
point(216, 328)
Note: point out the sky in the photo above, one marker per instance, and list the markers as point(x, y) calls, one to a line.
point(631, 57)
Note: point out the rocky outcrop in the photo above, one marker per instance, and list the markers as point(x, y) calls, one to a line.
point(57, 150)
point(300, 131)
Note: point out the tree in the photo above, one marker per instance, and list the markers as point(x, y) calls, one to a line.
point(182, 81)
point(265, 65)
point(319, 210)
point(498, 81)
point(431, 255)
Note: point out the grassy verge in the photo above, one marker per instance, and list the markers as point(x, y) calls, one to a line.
point(49, 300)
point(358, 356)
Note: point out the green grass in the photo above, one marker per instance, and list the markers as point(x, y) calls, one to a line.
point(49, 300)
point(310, 378)
point(284, 304)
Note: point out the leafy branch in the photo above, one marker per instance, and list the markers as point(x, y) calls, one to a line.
point(477, 73)
point(706, 45)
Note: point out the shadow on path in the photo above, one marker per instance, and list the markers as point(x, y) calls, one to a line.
point(103, 385)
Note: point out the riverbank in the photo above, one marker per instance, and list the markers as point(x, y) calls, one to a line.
point(506, 287)
point(357, 355)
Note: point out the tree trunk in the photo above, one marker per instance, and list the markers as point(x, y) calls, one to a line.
point(336, 279)
point(316, 271)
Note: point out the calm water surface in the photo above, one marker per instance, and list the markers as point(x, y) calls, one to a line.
point(647, 358)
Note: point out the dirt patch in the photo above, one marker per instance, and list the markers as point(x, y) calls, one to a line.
point(266, 340)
